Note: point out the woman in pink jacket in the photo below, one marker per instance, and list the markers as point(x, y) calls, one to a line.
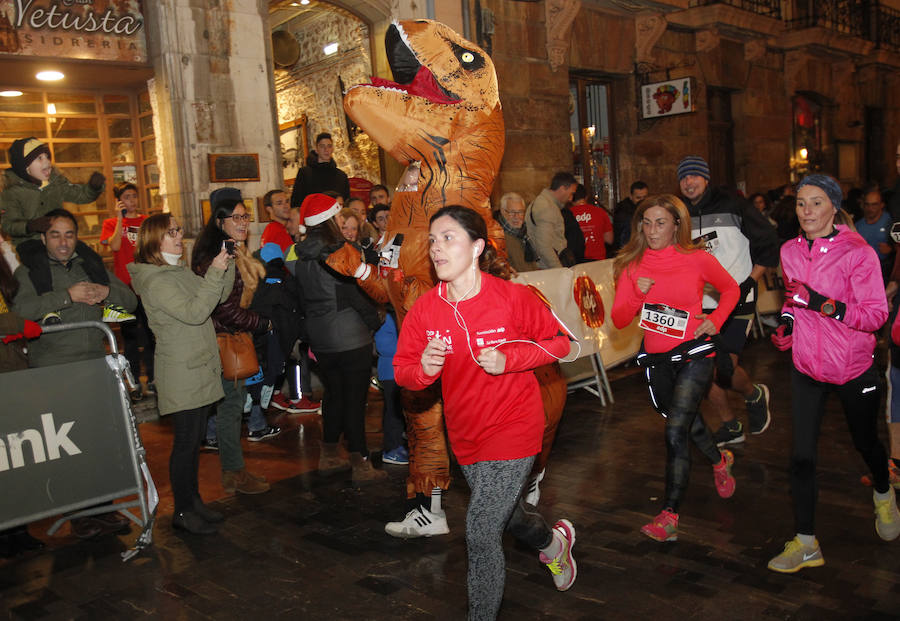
point(834, 301)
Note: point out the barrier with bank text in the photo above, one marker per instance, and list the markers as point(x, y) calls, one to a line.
point(68, 442)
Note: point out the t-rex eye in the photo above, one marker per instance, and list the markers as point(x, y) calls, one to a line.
point(468, 57)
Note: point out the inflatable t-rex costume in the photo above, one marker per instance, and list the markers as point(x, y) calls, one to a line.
point(442, 118)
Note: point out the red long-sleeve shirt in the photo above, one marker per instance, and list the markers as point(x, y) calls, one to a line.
point(679, 278)
point(489, 417)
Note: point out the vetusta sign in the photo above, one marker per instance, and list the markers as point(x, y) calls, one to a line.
point(81, 29)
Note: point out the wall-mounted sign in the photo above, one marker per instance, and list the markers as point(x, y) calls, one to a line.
point(84, 29)
point(233, 167)
point(667, 98)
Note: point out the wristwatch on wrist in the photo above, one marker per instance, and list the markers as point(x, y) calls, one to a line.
point(828, 307)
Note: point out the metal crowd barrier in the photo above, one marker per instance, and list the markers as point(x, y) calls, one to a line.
point(69, 442)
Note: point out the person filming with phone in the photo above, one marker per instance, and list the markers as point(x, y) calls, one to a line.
point(228, 228)
point(120, 235)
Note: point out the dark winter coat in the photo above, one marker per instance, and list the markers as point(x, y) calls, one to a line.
point(338, 315)
point(319, 177)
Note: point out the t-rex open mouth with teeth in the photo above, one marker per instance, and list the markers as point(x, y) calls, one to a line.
point(410, 75)
point(441, 113)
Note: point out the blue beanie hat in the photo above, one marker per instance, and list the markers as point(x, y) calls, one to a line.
point(830, 186)
point(270, 251)
point(693, 165)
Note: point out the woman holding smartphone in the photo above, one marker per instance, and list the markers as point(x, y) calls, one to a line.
point(228, 226)
point(179, 304)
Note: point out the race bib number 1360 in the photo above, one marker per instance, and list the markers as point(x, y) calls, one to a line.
point(664, 319)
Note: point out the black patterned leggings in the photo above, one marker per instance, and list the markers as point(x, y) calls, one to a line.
point(676, 391)
point(496, 505)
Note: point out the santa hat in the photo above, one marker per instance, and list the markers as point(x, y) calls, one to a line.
point(316, 209)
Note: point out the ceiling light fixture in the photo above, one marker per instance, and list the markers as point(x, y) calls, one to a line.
point(11, 93)
point(330, 49)
point(50, 76)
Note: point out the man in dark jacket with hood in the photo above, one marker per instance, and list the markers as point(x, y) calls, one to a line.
point(320, 174)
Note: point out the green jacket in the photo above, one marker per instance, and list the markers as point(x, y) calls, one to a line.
point(22, 201)
point(72, 345)
point(179, 304)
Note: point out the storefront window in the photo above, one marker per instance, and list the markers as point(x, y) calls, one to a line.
point(806, 137)
point(591, 140)
point(120, 128)
point(74, 128)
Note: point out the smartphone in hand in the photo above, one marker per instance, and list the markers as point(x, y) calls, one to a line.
point(228, 246)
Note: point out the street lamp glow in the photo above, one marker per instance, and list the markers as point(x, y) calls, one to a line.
point(50, 76)
point(803, 153)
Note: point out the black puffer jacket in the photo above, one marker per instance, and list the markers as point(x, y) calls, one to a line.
point(338, 315)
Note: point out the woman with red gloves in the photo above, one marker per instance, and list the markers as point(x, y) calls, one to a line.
point(660, 275)
point(834, 301)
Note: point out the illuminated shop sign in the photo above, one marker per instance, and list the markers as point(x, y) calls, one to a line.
point(83, 29)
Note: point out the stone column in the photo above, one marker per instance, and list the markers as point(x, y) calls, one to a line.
point(213, 92)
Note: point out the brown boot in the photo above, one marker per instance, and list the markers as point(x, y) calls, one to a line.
point(331, 460)
point(363, 472)
point(243, 482)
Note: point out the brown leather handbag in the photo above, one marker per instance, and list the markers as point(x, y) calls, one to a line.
point(238, 355)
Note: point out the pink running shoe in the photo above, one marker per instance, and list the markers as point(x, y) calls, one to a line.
point(725, 483)
point(664, 527)
point(562, 567)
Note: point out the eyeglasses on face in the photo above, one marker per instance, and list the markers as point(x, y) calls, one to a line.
point(174, 232)
point(239, 217)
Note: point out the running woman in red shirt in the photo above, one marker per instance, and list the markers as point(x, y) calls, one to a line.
point(481, 336)
point(660, 276)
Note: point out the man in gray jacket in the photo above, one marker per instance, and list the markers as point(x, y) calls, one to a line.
point(544, 220)
point(69, 279)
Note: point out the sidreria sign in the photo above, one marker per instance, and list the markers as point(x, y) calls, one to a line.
point(82, 29)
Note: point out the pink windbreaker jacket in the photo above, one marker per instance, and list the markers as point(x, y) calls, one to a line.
point(844, 268)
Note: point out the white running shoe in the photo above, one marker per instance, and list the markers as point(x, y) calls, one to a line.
point(420, 522)
point(533, 490)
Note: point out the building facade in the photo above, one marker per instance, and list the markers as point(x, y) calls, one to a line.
point(615, 91)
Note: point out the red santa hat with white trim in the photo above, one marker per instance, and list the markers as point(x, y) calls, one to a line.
point(316, 209)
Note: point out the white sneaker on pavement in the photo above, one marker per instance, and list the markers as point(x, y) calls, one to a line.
point(420, 522)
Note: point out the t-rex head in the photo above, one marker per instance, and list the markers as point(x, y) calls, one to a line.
point(442, 112)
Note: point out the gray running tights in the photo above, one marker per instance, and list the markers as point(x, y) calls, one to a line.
point(496, 505)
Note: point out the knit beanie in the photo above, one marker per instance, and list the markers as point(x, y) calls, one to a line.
point(828, 184)
point(23, 152)
point(693, 165)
